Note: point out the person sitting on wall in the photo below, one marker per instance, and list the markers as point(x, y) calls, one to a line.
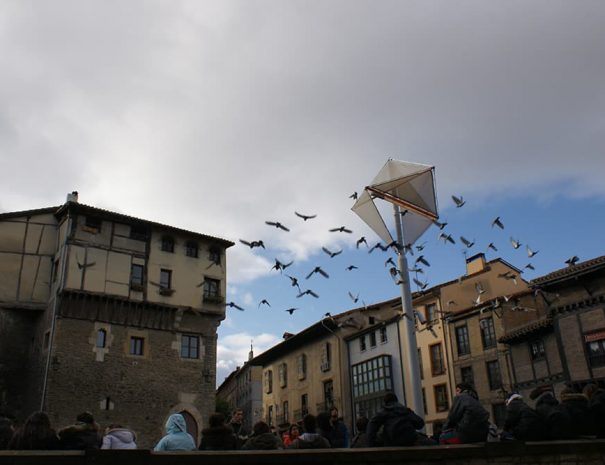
point(467, 420)
point(556, 419)
point(361, 438)
point(522, 422)
point(218, 435)
point(339, 434)
point(399, 424)
point(596, 407)
point(35, 434)
point(6, 431)
point(177, 437)
point(292, 434)
point(84, 434)
point(576, 405)
point(237, 425)
point(117, 437)
point(262, 438)
point(310, 439)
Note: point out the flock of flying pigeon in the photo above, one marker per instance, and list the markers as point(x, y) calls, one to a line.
point(420, 262)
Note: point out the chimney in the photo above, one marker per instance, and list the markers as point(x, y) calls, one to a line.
point(72, 197)
point(475, 264)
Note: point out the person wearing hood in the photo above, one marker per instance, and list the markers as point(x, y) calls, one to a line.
point(177, 437)
point(576, 405)
point(556, 419)
point(522, 422)
point(310, 439)
point(467, 420)
point(596, 406)
point(84, 434)
point(262, 438)
point(218, 435)
point(398, 422)
point(117, 437)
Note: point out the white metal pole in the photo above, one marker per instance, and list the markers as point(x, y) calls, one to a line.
point(410, 347)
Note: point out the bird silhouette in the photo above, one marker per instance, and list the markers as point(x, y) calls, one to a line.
point(466, 242)
point(421, 247)
point(291, 310)
point(515, 243)
point(459, 201)
point(416, 270)
point(440, 225)
point(422, 260)
point(253, 244)
point(307, 292)
point(378, 246)
point(279, 266)
point(361, 240)
point(530, 252)
point(508, 275)
point(353, 196)
point(330, 253)
point(351, 268)
point(492, 246)
point(294, 282)
point(305, 217)
point(341, 229)
point(451, 302)
point(84, 265)
point(571, 261)
point(447, 238)
point(234, 305)
point(277, 224)
point(264, 302)
point(477, 300)
point(318, 269)
point(420, 284)
point(396, 275)
point(354, 298)
point(529, 266)
point(479, 288)
point(390, 261)
point(497, 222)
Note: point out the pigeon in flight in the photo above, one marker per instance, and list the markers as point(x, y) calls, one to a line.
point(253, 243)
point(330, 253)
point(354, 298)
point(416, 270)
point(318, 269)
point(420, 284)
point(390, 261)
point(379, 246)
point(529, 266)
point(291, 310)
point(305, 217)
point(277, 224)
point(421, 247)
point(280, 266)
point(459, 201)
point(515, 243)
point(351, 268)
point(530, 252)
point(341, 229)
point(451, 302)
point(234, 305)
point(466, 242)
point(439, 225)
point(571, 261)
point(361, 240)
point(422, 260)
point(353, 196)
point(447, 238)
point(492, 246)
point(294, 282)
point(396, 275)
point(85, 265)
point(497, 222)
point(479, 288)
point(477, 301)
point(264, 302)
point(308, 292)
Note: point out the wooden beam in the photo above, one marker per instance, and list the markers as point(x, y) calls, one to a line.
point(402, 203)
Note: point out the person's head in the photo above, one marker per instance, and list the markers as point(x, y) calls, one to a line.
point(309, 423)
point(37, 426)
point(389, 398)
point(260, 427)
point(361, 424)
point(537, 392)
point(85, 417)
point(334, 414)
point(590, 389)
point(176, 424)
point(238, 416)
point(294, 431)
point(323, 421)
point(464, 387)
point(216, 419)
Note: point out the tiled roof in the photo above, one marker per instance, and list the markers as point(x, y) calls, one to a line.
point(526, 329)
point(580, 268)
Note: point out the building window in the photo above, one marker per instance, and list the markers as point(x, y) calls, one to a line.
point(55, 270)
point(488, 334)
point(441, 400)
point(383, 335)
point(268, 381)
point(328, 396)
point(362, 343)
point(211, 288)
point(214, 254)
point(286, 413)
point(466, 375)
point(165, 279)
point(595, 349)
point(499, 414)
point(301, 365)
point(136, 276)
point(420, 363)
point(191, 249)
point(93, 223)
point(326, 357)
point(493, 375)
point(304, 404)
point(190, 346)
point(373, 339)
point(430, 312)
point(424, 401)
point(136, 345)
point(536, 349)
point(283, 375)
point(138, 233)
point(168, 244)
point(101, 338)
point(462, 341)
point(437, 362)
point(372, 377)
point(270, 415)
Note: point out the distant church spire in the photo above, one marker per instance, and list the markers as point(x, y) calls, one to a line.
point(251, 353)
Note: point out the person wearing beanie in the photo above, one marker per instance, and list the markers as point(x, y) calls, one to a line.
point(82, 435)
point(177, 437)
point(556, 419)
point(596, 407)
point(467, 420)
point(522, 422)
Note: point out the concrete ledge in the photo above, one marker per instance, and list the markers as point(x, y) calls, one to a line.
point(504, 453)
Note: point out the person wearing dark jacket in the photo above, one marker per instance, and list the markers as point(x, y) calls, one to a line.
point(35, 434)
point(467, 420)
point(399, 424)
point(6, 431)
point(218, 436)
point(310, 439)
point(262, 438)
point(522, 422)
point(82, 435)
point(576, 405)
point(361, 438)
point(237, 425)
point(339, 434)
point(596, 406)
point(555, 418)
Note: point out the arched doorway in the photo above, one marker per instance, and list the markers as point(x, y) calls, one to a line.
point(191, 424)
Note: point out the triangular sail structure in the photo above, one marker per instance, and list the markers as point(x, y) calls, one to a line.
point(411, 186)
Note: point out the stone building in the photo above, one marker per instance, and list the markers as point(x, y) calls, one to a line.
point(108, 313)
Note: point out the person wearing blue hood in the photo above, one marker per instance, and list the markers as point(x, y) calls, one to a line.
point(177, 437)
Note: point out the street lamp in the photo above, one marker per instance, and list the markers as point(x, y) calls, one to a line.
point(411, 187)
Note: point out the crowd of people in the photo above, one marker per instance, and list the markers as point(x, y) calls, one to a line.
point(575, 415)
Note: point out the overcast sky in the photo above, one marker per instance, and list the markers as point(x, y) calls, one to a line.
point(217, 116)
